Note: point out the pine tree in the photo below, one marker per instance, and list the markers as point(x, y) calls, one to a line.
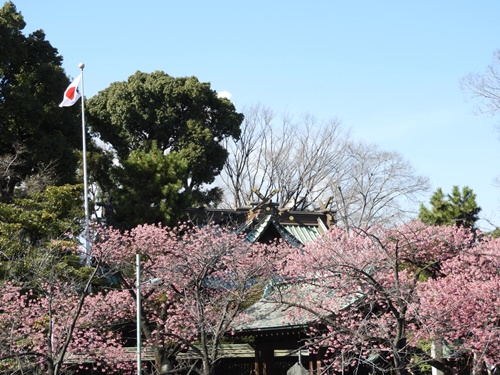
point(458, 208)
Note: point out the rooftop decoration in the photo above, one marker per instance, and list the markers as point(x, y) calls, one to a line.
point(264, 220)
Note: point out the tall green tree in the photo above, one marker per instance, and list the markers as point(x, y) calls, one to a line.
point(149, 188)
point(458, 208)
point(166, 136)
point(42, 225)
point(36, 133)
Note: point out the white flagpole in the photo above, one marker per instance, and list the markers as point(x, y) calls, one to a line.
point(85, 185)
point(138, 318)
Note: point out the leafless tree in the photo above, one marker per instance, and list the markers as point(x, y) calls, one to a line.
point(485, 86)
point(312, 156)
point(11, 180)
point(8, 174)
point(295, 159)
point(242, 172)
point(309, 162)
point(376, 187)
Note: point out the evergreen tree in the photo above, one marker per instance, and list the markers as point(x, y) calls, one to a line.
point(167, 138)
point(39, 156)
point(39, 234)
point(458, 208)
point(36, 133)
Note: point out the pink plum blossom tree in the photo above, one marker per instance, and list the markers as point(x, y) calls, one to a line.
point(462, 307)
point(58, 330)
point(207, 274)
point(50, 320)
point(364, 296)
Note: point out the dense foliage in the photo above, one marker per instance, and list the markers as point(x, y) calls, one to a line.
point(166, 138)
point(38, 228)
point(381, 298)
point(458, 208)
point(54, 332)
point(37, 136)
point(207, 274)
point(461, 307)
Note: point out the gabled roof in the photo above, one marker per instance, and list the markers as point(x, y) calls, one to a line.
point(272, 313)
point(258, 231)
point(307, 233)
point(268, 314)
point(265, 222)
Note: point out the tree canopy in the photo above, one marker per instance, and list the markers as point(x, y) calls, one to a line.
point(309, 161)
point(38, 225)
point(458, 208)
point(166, 132)
point(36, 134)
point(381, 297)
point(461, 307)
point(207, 275)
point(38, 156)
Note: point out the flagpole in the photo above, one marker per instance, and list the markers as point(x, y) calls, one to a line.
point(85, 185)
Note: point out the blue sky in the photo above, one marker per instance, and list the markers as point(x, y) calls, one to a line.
point(388, 69)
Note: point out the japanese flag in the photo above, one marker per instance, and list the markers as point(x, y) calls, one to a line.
point(71, 95)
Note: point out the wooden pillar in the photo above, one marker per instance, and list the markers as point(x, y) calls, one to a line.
point(257, 361)
point(319, 364)
point(267, 362)
point(318, 367)
point(311, 364)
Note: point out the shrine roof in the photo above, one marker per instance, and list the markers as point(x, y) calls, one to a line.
point(264, 222)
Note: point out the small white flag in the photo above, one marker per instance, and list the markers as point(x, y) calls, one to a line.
point(71, 95)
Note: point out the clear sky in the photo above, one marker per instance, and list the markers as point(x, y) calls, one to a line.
point(388, 69)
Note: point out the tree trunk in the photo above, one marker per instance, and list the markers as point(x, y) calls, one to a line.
point(51, 370)
point(477, 365)
point(400, 359)
point(163, 361)
point(207, 369)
